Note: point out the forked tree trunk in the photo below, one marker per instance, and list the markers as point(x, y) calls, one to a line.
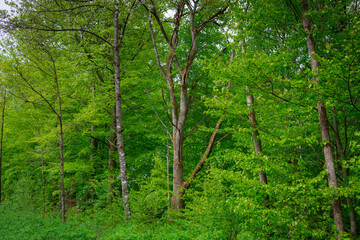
point(119, 127)
point(324, 125)
point(180, 114)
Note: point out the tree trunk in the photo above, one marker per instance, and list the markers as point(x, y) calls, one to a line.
point(93, 141)
point(324, 124)
point(119, 128)
point(112, 156)
point(63, 207)
point(255, 134)
point(178, 173)
point(178, 115)
point(168, 171)
point(330, 166)
point(345, 173)
point(1, 138)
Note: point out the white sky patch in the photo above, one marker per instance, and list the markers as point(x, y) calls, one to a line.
point(3, 6)
point(168, 14)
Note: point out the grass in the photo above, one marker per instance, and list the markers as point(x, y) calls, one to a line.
point(28, 225)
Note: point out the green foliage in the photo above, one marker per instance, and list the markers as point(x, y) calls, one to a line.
point(258, 45)
point(150, 203)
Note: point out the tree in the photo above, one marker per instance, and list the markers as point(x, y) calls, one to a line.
point(180, 107)
point(324, 124)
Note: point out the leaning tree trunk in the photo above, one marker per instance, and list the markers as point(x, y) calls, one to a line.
point(1, 138)
point(324, 125)
point(119, 127)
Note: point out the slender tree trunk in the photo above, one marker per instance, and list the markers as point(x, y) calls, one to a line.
point(1, 139)
point(324, 125)
point(345, 173)
point(255, 134)
point(93, 141)
point(168, 171)
point(330, 166)
point(63, 207)
point(112, 156)
point(43, 181)
point(253, 122)
point(119, 127)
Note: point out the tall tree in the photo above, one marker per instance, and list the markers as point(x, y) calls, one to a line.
point(324, 123)
point(180, 107)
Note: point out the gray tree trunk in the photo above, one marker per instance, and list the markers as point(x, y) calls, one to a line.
point(119, 127)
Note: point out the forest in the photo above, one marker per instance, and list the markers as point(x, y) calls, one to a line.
point(180, 119)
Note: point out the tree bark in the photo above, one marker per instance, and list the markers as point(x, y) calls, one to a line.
point(1, 139)
point(324, 124)
point(119, 127)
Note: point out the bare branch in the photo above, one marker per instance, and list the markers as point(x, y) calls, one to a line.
point(155, 48)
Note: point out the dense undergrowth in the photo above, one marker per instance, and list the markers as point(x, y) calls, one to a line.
point(29, 225)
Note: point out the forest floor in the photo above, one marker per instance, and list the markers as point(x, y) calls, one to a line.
point(27, 225)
